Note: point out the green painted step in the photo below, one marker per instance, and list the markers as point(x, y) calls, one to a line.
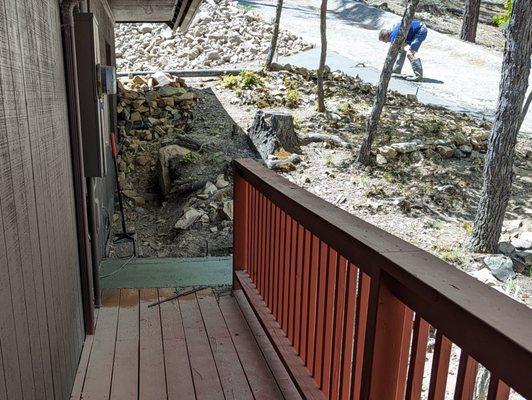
point(166, 272)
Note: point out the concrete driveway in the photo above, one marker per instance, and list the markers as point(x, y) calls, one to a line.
point(461, 74)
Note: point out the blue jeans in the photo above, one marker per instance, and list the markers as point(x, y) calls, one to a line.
point(421, 35)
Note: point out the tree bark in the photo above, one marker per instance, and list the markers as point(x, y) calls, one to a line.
point(470, 21)
point(498, 173)
point(386, 74)
point(272, 132)
point(323, 56)
point(275, 36)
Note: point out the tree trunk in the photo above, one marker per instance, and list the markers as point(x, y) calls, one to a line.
point(470, 21)
point(275, 36)
point(272, 132)
point(386, 74)
point(323, 56)
point(499, 159)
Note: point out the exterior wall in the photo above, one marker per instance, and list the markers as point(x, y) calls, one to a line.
point(41, 323)
point(105, 187)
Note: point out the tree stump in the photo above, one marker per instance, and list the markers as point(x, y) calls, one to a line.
point(272, 132)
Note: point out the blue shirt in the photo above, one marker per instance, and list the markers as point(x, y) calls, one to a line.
point(414, 29)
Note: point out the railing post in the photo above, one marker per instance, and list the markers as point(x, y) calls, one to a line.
point(240, 222)
point(387, 346)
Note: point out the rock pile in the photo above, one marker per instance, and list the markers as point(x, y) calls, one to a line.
point(150, 111)
point(211, 206)
point(222, 33)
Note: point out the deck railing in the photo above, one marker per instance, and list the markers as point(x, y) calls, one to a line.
point(350, 308)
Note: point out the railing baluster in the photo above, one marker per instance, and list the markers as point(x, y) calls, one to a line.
point(362, 307)
point(267, 250)
point(440, 367)
point(330, 316)
point(250, 229)
point(313, 304)
point(465, 380)
point(256, 240)
point(339, 327)
point(282, 257)
point(276, 244)
point(253, 214)
point(498, 390)
point(305, 308)
point(271, 256)
point(299, 287)
point(292, 292)
point(240, 231)
point(262, 245)
point(320, 322)
point(387, 344)
point(418, 355)
point(349, 333)
point(287, 259)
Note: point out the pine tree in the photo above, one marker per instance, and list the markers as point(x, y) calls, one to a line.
point(386, 74)
point(470, 21)
point(323, 56)
point(498, 172)
point(275, 36)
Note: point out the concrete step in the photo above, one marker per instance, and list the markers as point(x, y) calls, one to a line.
point(215, 272)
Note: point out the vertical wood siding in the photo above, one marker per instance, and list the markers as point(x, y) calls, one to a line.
point(41, 325)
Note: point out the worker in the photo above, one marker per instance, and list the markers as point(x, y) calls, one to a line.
point(416, 35)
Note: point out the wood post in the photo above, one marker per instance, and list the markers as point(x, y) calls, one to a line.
point(240, 230)
point(388, 345)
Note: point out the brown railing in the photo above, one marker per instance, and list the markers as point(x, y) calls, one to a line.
point(350, 308)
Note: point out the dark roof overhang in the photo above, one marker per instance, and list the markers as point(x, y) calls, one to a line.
point(178, 14)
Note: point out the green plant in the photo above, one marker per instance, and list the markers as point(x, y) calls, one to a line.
point(346, 109)
point(512, 288)
point(503, 18)
point(292, 98)
point(433, 224)
point(468, 228)
point(451, 256)
point(363, 179)
point(297, 123)
point(190, 158)
point(244, 80)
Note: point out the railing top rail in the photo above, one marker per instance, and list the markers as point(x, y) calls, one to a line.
point(493, 328)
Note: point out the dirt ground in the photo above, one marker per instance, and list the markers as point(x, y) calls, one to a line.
point(446, 17)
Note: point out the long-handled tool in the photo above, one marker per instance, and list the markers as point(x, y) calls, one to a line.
point(123, 236)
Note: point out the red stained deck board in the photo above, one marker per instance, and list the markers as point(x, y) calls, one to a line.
point(99, 373)
point(232, 377)
point(126, 371)
point(178, 373)
point(204, 372)
point(152, 379)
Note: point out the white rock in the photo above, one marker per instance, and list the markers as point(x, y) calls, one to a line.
point(221, 182)
point(145, 28)
point(210, 188)
point(521, 243)
point(188, 218)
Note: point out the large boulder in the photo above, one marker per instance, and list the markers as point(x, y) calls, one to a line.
point(500, 266)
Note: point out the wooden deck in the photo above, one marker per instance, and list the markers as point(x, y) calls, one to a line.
point(197, 347)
